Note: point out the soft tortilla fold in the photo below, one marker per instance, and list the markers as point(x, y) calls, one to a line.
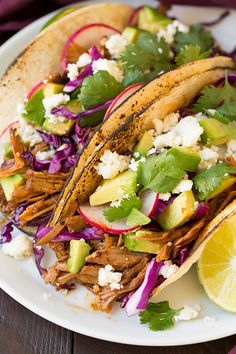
point(42, 56)
point(124, 126)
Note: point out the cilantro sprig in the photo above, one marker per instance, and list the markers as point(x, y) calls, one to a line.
point(160, 173)
point(190, 53)
point(143, 60)
point(124, 208)
point(206, 181)
point(197, 36)
point(223, 99)
point(159, 316)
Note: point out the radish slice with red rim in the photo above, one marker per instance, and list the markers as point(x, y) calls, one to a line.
point(35, 89)
point(86, 37)
point(133, 19)
point(94, 217)
point(149, 202)
point(122, 97)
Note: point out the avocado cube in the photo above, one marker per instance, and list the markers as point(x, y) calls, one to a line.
point(178, 212)
point(188, 159)
point(79, 250)
point(137, 218)
point(52, 89)
point(60, 128)
point(74, 106)
point(113, 189)
point(225, 184)
point(9, 184)
point(144, 144)
point(215, 132)
point(151, 20)
point(138, 242)
point(130, 34)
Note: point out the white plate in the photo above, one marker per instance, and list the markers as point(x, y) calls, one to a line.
point(21, 281)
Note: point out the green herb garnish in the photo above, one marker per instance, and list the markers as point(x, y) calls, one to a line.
point(123, 209)
point(190, 53)
point(34, 109)
point(197, 35)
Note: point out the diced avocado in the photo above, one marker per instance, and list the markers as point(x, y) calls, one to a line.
point(225, 184)
point(74, 106)
point(136, 218)
point(135, 242)
point(9, 184)
point(34, 108)
point(60, 128)
point(130, 34)
point(151, 20)
point(178, 212)
point(79, 250)
point(8, 150)
point(188, 159)
point(144, 144)
point(113, 189)
point(215, 132)
point(52, 89)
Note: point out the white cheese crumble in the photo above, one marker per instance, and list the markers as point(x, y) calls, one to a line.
point(168, 269)
point(45, 155)
point(53, 101)
point(209, 157)
point(84, 60)
point(110, 66)
point(183, 186)
point(72, 71)
point(116, 45)
point(28, 133)
point(186, 133)
point(164, 196)
point(20, 247)
point(231, 148)
point(209, 320)
point(188, 313)
point(112, 164)
point(169, 32)
point(107, 276)
point(169, 122)
point(135, 163)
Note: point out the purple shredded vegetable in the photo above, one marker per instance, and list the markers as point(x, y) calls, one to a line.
point(124, 300)
point(82, 134)
point(70, 162)
point(51, 139)
point(161, 206)
point(89, 233)
point(200, 212)
point(60, 155)
point(37, 165)
point(95, 53)
point(183, 255)
point(38, 256)
point(6, 231)
point(139, 300)
point(231, 78)
point(41, 220)
point(65, 112)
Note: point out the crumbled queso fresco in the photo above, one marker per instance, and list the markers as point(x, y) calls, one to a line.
point(169, 32)
point(53, 101)
point(28, 133)
point(45, 155)
point(188, 313)
point(20, 247)
point(110, 66)
point(112, 164)
point(107, 276)
point(116, 45)
point(168, 269)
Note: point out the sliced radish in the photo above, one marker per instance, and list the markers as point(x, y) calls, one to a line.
point(94, 216)
point(133, 19)
point(4, 136)
point(122, 97)
point(86, 37)
point(35, 89)
point(149, 202)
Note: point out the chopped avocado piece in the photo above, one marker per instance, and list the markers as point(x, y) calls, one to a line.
point(188, 159)
point(225, 184)
point(52, 89)
point(60, 128)
point(79, 250)
point(215, 132)
point(8, 150)
point(111, 190)
point(136, 241)
point(74, 106)
point(130, 34)
point(136, 218)
point(178, 212)
point(9, 184)
point(151, 20)
point(144, 144)
point(34, 108)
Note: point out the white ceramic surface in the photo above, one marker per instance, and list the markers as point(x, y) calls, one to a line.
point(21, 281)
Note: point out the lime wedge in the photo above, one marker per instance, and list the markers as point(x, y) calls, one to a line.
point(217, 266)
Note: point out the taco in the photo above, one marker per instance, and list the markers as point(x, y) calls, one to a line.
point(153, 191)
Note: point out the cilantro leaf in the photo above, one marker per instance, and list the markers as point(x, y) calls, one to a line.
point(159, 316)
point(206, 181)
point(34, 108)
point(190, 53)
point(223, 99)
point(197, 35)
point(137, 76)
point(125, 205)
point(160, 173)
point(137, 218)
point(98, 88)
point(147, 54)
